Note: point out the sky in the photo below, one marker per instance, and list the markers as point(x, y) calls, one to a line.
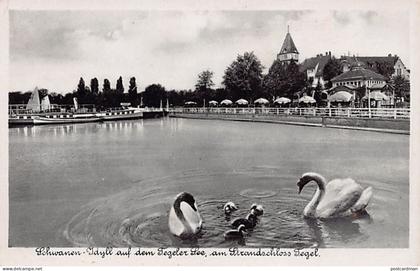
point(53, 49)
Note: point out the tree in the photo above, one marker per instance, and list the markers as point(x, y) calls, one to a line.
point(401, 87)
point(274, 80)
point(132, 92)
point(284, 80)
point(81, 85)
point(42, 93)
point(106, 97)
point(94, 86)
point(204, 81)
point(204, 84)
point(81, 91)
point(296, 80)
point(153, 95)
point(243, 77)
point(106, 88)
point(175, 98)
point(120, 87)
point(318, 93)
point(18, 97)
point(331, 70)
point(385, 68)
point(56, 98)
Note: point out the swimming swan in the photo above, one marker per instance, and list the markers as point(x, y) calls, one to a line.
point(249, 222)
point(184, 218)
point(235, 234)
point(338, 198)
point(257, 209)
point(229, 207)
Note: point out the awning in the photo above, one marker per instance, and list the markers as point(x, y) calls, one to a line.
point(307, 100)
point(241, 102)
point(282, 100)
point(377, 96)
point(226, 102)
point(341, 96)
point(261, 101)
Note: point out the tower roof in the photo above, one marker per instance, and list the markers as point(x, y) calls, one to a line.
point(288, 45)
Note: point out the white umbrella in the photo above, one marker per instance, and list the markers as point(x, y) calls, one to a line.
point(307, 100)
point(226, 102)
point(341, 96)
point(377, 96)
point(190, 103)
point(213, 103)
point(282, 100)
point(242, 102)
point(261, 101)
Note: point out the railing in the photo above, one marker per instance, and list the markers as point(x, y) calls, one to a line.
point(20, 109)
point(379, 113)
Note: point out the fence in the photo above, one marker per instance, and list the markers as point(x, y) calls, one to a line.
point(380, 113)
point(20, 109)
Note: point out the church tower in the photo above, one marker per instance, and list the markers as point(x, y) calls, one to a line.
point(288, 51)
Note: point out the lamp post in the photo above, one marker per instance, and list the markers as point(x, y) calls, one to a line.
point(368, 90)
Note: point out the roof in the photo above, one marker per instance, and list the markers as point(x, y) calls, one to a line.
point(358, 73)
point(288, 45)
point(370, 61)
point(310, 63)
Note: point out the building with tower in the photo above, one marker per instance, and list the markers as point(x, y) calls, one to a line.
point(288, 51)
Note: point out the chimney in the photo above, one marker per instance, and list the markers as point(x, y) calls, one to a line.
point(329, 53)
point(326, 53)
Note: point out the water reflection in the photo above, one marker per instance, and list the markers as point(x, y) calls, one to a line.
point(316, 230)
point(337, 230)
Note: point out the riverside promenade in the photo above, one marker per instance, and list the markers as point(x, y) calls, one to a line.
point(390, 120)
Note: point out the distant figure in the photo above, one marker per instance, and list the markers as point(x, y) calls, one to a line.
point(235, 234)
point(257, 209)
point(338, 198)
point(184, 218)
point(229, 207)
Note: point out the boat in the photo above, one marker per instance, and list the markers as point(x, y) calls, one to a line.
point(41, 112)
point(30, 119)
point(64, 119)
point(21, 120)
point(122, 114)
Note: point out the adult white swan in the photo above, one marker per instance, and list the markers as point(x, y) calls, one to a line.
point(184, 218)
point(338, 198)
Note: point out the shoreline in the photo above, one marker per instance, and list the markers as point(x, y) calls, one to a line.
point(371, 125)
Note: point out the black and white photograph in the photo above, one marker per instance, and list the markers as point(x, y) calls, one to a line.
point(202, 127)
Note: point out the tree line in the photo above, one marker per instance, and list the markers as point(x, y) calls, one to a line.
point(243, 78)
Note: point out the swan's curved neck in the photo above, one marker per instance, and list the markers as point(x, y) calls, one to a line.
point(310, 209)
point(180, 214)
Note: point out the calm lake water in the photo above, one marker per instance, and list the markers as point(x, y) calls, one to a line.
point(113, 183)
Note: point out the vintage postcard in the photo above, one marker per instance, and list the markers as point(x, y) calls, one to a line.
point(209, 133)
